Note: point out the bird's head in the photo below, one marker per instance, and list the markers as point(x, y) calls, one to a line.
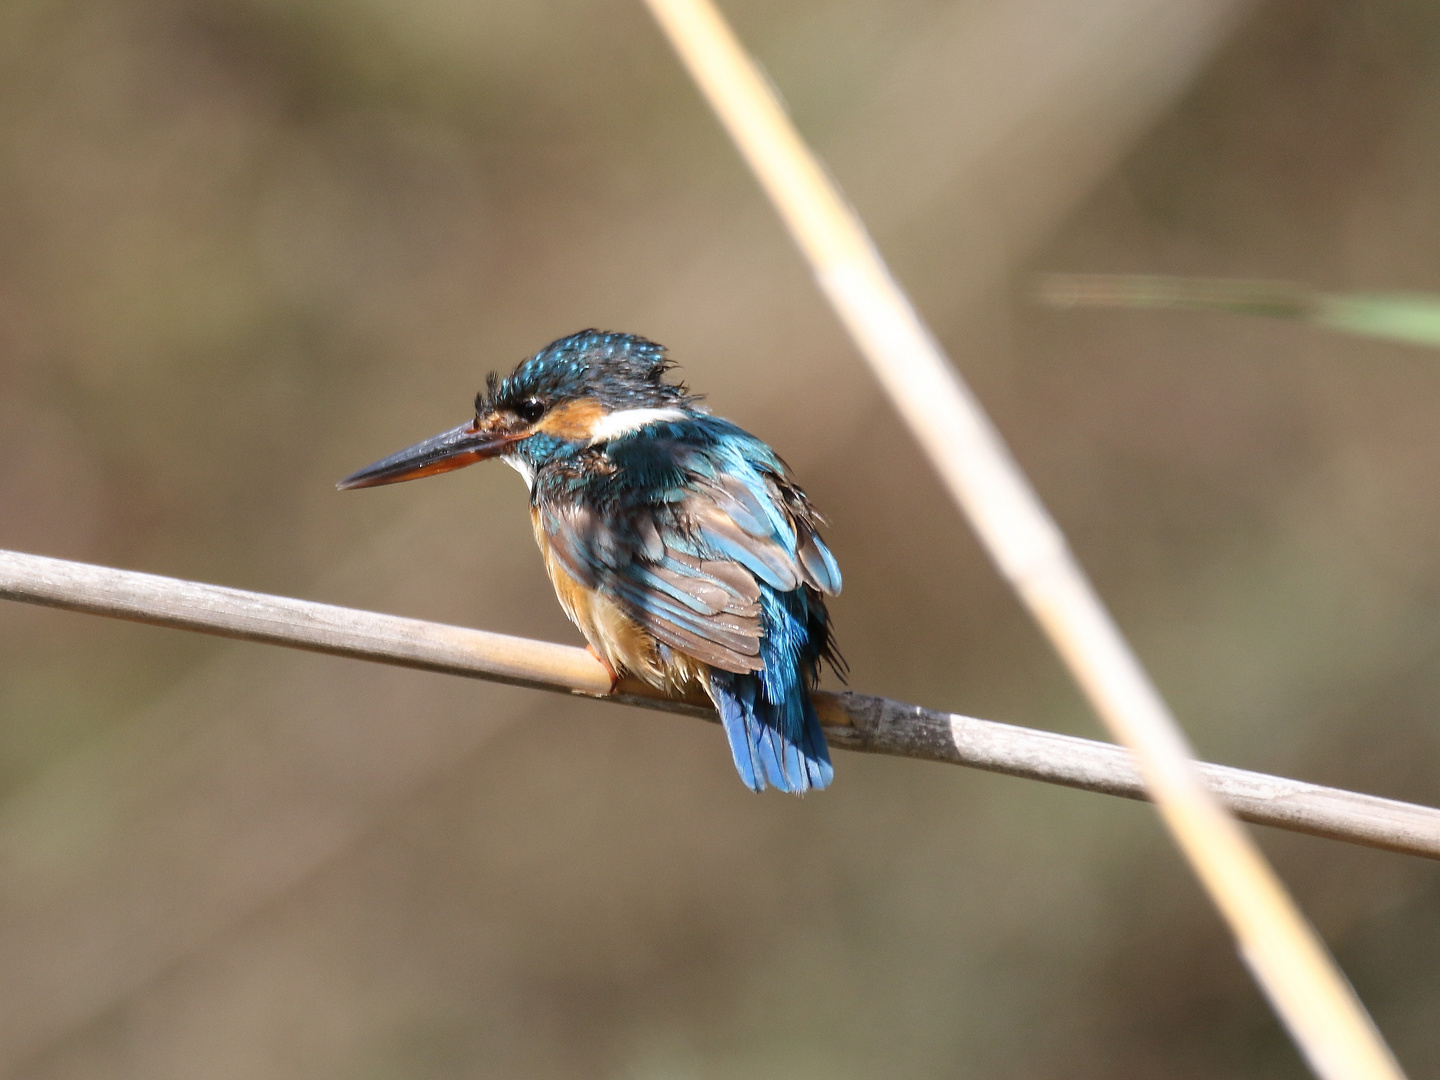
point(584, 389)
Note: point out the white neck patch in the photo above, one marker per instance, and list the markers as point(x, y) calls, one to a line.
point(520, 465)
point(615, 424)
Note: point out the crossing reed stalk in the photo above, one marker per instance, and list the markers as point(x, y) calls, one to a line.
point(1306, 988)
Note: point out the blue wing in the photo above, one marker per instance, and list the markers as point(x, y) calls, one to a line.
point(684, 537)
point(703, 539)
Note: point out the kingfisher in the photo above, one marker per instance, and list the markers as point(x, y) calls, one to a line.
point(679, 544)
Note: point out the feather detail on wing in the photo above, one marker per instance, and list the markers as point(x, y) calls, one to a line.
point(699, 606)
point(794, 552)
point(690, 571)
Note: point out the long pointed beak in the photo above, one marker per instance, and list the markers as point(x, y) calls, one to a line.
point(453, 449)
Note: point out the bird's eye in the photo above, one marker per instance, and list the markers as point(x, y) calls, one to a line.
point(530, 410)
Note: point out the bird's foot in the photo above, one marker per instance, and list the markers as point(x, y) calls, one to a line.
point(614, 677)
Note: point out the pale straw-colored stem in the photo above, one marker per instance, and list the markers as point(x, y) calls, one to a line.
point(1291, 964)
point(853, 721)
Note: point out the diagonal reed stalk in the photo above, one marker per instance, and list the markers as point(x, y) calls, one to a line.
point(1313, 999)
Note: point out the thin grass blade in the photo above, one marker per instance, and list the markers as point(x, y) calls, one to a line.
point(1413, 318)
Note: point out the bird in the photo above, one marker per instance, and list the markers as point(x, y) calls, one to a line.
point(678, 543)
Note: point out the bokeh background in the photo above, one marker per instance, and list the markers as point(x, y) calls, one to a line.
point(247, 246)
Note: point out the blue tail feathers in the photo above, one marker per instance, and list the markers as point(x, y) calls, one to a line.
point(775, 744)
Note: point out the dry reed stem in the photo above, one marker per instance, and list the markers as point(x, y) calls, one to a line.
point(1311, 996)
point(853, 721)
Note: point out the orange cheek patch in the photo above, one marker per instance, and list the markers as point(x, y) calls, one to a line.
point(574, 420)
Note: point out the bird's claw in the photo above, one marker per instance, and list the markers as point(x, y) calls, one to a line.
point(614, 677)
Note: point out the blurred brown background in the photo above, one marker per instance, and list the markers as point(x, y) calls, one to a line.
point(247, 246)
